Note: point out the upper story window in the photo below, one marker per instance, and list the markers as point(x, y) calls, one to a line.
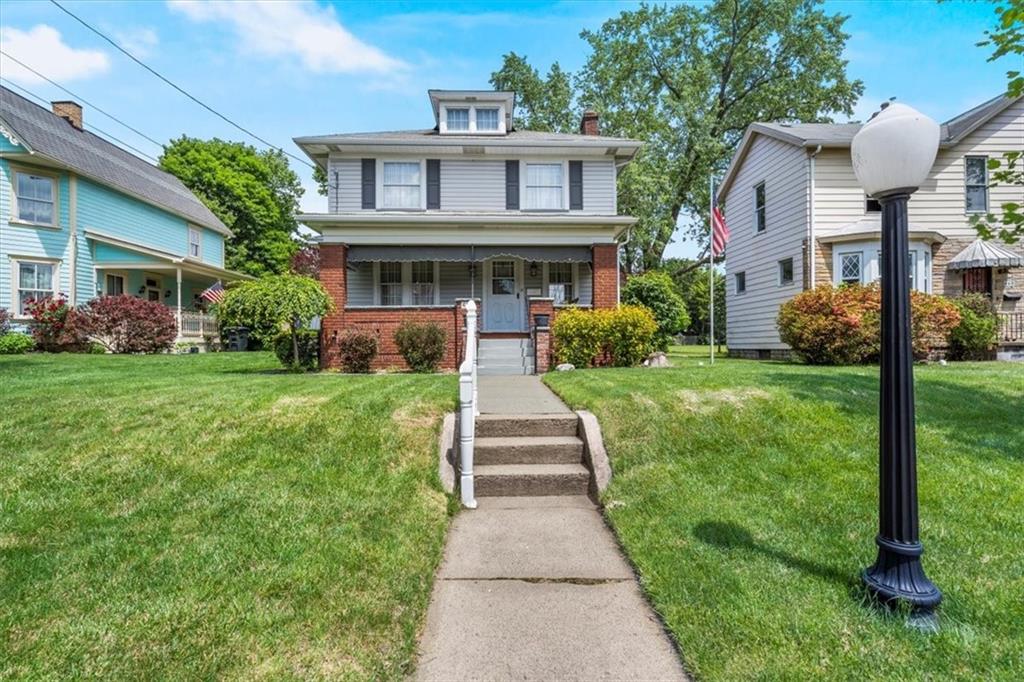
point(544, 183)
point(401, 184)
point(35, 282)
point(195, 247)
point(786, 271)
point(35, 198)
point(487, 119)
point(458, 119)
point(560, 283)
point(976, 184)
point(760, 223)
point(741, 282)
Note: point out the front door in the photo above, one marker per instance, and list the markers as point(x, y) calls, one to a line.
point(153, 290)
point(503, 305)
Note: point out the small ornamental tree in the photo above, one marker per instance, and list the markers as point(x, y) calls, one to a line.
point(272, 304)
point(126, 324)
point(657, 292)
point(54, 325)
point(306, 261)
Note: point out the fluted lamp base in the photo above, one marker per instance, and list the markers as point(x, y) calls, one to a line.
point(897, 576)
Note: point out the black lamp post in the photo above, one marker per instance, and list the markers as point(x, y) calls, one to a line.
point(892, 155)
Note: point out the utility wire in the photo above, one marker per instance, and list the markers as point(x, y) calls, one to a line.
point(82, 99)
point(174, 85)
point(92, 128)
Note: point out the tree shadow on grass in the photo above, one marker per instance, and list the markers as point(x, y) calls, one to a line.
point(734, 537)
point(965, 414)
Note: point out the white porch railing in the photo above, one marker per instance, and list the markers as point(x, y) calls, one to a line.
point(468, 409)
point(196, 325)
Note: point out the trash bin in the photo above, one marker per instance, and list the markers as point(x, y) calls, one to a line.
point(237, 338)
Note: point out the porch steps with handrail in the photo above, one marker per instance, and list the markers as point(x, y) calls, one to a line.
point(505, 356)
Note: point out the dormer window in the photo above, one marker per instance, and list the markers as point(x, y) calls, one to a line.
point(486, 119)
point(458, 120)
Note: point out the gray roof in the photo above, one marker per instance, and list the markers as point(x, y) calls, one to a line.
point(43, 132)
point(982, 254)
point(432, 136)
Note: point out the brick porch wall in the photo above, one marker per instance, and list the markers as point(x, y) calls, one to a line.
point(606, 275)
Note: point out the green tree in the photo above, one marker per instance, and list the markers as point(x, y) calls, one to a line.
point(692, 284)
point(1008, 39)
point(275, 303)
point(656, 291)
point(687, 80)
point(255, 193)
point(541, 103)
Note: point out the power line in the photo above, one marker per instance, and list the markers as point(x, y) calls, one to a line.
point(82, 99)
point(92, 128)
point(174, 85)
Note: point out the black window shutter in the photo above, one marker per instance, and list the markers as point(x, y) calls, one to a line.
point(369, 183)
point(512, 185)
point(434, 183)
point(575, 185)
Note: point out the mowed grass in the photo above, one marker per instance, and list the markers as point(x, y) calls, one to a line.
point(186, 517)
point(746, 495)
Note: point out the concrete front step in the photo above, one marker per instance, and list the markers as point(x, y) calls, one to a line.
point(503, 369)
point(529, 450)
point(493, 480)
point(495, 425)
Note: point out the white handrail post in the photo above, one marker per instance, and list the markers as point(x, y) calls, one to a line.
point(467, 409)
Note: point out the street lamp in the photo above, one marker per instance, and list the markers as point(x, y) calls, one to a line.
point(892, 155)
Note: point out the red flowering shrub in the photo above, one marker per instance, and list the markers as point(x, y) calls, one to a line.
point(125, 324)
point(54, 325)
point(5, 321)
point(306, 261)
point(842, 325)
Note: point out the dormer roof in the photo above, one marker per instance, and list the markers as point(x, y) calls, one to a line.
point(471, 97)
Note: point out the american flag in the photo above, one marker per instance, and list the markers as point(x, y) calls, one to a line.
point(213, 293)
point(719, 232)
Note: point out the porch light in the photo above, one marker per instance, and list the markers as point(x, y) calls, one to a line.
point(142, 290)
point(167, 294)
point(892, 155)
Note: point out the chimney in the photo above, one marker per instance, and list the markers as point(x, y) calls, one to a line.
point(69, 111)
point(588, 124)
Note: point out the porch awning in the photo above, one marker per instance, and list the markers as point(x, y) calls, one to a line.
point(983, 254)
point(551, 254)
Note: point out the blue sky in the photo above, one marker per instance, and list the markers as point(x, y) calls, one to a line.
point(304, 68)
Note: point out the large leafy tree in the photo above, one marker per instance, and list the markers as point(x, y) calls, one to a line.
point(687, 80)
point(255, 193)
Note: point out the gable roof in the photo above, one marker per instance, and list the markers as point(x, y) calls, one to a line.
point(44, 133)
point(840, 135)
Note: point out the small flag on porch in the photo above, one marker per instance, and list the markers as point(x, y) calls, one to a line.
point(213, 293)
point(719, 232)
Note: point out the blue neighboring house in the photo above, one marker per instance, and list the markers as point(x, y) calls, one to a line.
point(82, 217)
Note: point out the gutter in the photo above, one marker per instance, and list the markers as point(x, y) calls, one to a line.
point(811, 254)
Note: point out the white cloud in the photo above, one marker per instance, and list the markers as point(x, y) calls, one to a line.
point(302, 29)
point(139, 41)
point(43, 49)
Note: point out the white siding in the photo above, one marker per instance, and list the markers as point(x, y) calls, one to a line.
point(599, 187)
point(783, 168)
point(344, 185)
point(472, 185)
point(360, 284)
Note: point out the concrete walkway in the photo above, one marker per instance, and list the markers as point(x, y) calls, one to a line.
point(535, 588)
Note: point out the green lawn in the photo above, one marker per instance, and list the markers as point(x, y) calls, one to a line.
point(206, 516)
point(746, 495)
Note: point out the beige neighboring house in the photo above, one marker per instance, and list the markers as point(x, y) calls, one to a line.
point(799, 219)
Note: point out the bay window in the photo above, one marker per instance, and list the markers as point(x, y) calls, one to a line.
point(544, 186)
point(401, 184)
point(35, 281)
point(850, 270)
point(35, 198)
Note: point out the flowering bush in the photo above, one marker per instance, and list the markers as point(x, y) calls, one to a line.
point(422, 345)
point(5, 321)
point(842, 325)
point(54, 325)
point(125, 324)
point(623, 336)
point(357, 352)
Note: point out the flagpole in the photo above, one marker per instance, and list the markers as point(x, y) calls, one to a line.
point(711, 261)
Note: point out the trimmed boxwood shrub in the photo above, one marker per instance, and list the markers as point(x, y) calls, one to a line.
point(16, 344)
point(125, 324)
point(308, 341)
point(657, 292)
point(421, 345)
point(623, 336)
point(842, 325)
point(978, 331)
point(356, 352)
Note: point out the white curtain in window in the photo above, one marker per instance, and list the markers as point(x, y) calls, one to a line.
point(35, 282)
point(35, 198)
point(458, 119)
point(486, 119)
point(544, 185)
point(401, 185)
point(423, 283)
point(391, 284)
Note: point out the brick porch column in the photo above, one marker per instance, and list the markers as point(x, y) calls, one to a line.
point(606, 275)
point(333, 260)
point(541, 334)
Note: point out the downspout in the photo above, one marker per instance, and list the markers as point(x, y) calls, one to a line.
point(811, 246)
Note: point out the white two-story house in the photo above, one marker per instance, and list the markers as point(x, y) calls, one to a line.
point(471, 208)
point(799, 219)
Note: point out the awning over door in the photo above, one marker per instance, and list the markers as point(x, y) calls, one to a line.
point(983, 254)
point(551, 254)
